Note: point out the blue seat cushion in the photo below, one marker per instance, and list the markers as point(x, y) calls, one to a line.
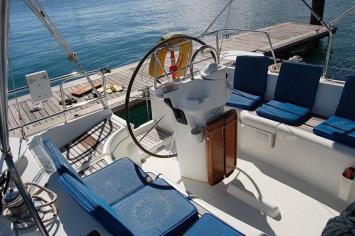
point(337, 129)
point(211, 226)
point(93, 204)
point(60, 162)
point(243, 100)
point(298, 83)
point(284, 112)
point(345, 107)
point(251, 73)
point(156, 209)
point(117, 180)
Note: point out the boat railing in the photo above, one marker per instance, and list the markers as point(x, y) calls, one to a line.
point(55, 81)
point(100, 96)
point(220, 34)
point(61, 80)
point(330, 28)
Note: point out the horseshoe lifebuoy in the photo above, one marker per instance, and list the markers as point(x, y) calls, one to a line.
point(177, 67)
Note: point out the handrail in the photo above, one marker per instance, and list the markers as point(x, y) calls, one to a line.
point(71, 76)
point(213, 52)
point(241, 30)
point(56, 113)
point(100, 97)
point(62, 80)
point(330, 28)
point(330, 38)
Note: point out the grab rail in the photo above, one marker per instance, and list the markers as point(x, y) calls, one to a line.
point(63, 79)
point(330, 38)
point(218, 48)
point(99, 95)
point(71, 76)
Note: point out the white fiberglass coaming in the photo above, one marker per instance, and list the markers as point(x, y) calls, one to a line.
point(285, 184)
point(287, 180)
point(286, 177)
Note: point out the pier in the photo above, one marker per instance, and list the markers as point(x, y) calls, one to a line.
point(288, 39)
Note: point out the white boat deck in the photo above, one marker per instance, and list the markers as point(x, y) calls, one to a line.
point(297, 208)
point(301, 212)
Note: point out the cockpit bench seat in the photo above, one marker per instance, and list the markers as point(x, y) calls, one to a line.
point(112, 183)
point(210, 225)
point(117, 180)
point(249, 82)
point(295, 94)
point(124, 199)
point(337, 129)
point(156, 209)
point(341, 126)
point(243, 100)
point(284, 112)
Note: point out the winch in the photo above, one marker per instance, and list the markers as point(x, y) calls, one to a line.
point(14, 207)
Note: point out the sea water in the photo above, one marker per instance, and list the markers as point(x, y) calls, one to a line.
point(111, 33)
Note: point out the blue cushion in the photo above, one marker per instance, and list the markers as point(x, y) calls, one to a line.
point(211, 226)
point(60, 162)
point(116, 181)
point(251, 73)
point(284, 112)
point(298, 83)
point(156, 209)
point(345, 108)
point(243, 100)
point(95, 206)
point(337, 129)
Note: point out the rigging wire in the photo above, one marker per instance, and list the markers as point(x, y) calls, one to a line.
point(226, 24)
point(18, 106)
point(341, 16)
point(216, 18)
point(42, 15)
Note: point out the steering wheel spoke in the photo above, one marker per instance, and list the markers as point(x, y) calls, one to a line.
point(176, 50)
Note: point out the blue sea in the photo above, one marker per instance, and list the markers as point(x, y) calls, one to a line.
point(111, 33)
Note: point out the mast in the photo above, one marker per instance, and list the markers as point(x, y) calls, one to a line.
point(4, 129)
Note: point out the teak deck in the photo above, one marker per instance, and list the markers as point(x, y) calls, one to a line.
point(87, 148)
point(286, 38)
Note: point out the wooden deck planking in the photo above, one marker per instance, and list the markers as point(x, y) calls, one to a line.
point(283, 36)
point(153, 137)
point(93, 168)
point(311, 123)
point(13, 117)
point(88, 146)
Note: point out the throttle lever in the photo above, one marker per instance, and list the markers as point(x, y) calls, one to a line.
point(179, 114)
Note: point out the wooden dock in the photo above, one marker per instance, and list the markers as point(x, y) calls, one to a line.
point(287, 38)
